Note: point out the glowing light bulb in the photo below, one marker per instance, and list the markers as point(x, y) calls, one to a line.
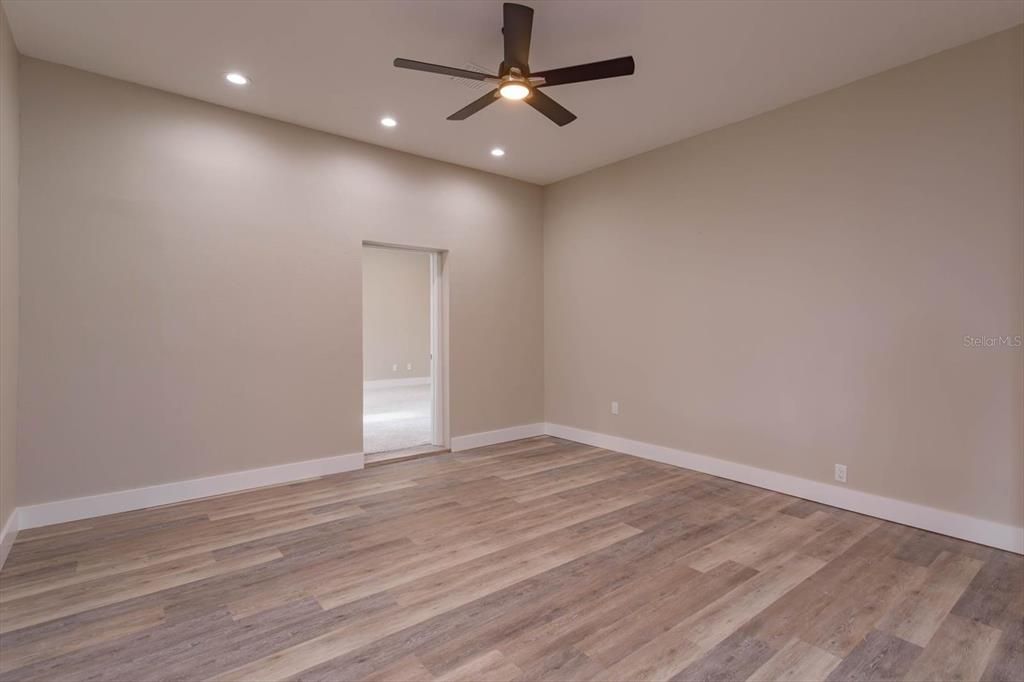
point(514, 90)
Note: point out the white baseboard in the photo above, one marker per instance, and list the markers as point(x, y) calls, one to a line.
point(479, 440)
point(10, 530)
point(168, 493)
point(982, 531)
point(391, 383)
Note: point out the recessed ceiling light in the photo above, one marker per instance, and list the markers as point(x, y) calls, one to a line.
point(497, 151)
point(388, 122)
point(236, 78)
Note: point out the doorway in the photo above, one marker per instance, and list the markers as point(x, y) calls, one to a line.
point(403, 342)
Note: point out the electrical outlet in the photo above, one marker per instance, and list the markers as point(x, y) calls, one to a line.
point(841, 473)
point(394, 368)
point(615, 407)
point(408, 365)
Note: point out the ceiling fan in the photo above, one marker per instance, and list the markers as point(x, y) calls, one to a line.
point(515, 81)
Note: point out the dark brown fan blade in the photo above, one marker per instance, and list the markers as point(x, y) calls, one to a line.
point(474, 106)
point(550, 108)
point(443, 70)
point(517, 29)
point(610, 68)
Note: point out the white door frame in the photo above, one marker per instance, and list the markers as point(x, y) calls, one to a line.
point(438, 348)
point(439, 291)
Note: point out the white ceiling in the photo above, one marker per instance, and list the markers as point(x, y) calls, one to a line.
point(326, 64)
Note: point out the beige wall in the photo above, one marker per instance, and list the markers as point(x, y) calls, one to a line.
point(191, 289)
point(793, 290)
point(396, 313)
point(9, 145)
point(789, 292)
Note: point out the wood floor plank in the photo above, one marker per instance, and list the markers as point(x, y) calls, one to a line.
point(627, 633)
point(183, 549)
point(859, 603)
point(497, 570)
point(804, 508)
point(569, 630)
point(446, 555)
point(77, 637)
point(755, 545)
point(566, 665)
point(734, 658)
point(922, 610)
point(879, 657)
point(847, 531)
point(539, 559)
point(490, 667)
point(819, 600)
point(407, 669)
point(659, 660)
point(722, 617)
point(67, 601)
point(960, 650)
point(565, 593)
point(996, 595)
point(1006, 662)
point(798, 661)
point(447, 639)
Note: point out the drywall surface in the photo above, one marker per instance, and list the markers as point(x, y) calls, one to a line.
point(9, 153)
point(804, 288)
point(191, 286)
point(396, 314)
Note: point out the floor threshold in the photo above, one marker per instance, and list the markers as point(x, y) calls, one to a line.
point(403, 455)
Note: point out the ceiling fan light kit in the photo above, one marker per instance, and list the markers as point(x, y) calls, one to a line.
point(514, 87)
point(515, 81)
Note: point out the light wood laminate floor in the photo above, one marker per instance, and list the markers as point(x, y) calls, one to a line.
point(539, 559)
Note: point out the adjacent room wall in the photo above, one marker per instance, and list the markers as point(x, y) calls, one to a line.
point(191, 286)
point(9, 151)
point(794, 291)
point(396, 314)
